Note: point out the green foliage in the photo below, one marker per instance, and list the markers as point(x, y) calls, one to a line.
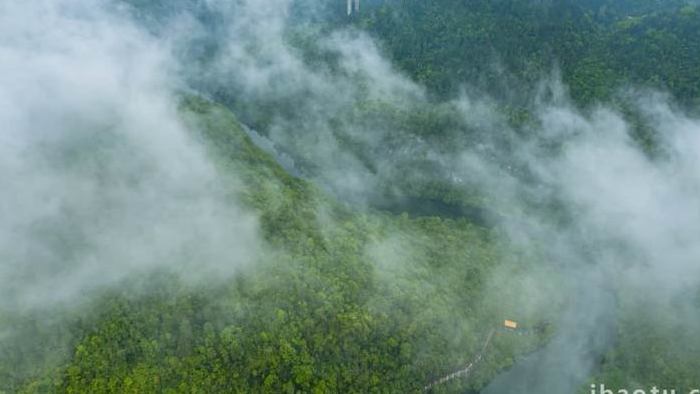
point(599, 46)
point(342, 302)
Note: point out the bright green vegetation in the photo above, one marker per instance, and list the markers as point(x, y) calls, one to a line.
point(343, 302)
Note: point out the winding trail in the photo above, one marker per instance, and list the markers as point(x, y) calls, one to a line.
point(466, 371)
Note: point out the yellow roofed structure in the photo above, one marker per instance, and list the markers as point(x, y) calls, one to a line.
point(510, 324)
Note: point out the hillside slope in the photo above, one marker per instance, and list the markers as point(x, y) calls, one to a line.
point(347, 302)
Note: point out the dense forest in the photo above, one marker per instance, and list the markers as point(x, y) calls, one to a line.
point(497, 46)
point(366, 198)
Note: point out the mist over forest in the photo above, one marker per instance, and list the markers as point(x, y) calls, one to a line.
point(391, 196)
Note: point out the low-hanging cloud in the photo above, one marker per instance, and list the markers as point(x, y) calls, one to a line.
point(100, 177)
point(625, 230)
point(613, 219)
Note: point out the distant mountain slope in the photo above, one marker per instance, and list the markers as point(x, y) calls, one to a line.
point(599, 46)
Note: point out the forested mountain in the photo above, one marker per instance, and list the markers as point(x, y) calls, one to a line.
point(507, 45)
point(275, 196)
point(316, 316)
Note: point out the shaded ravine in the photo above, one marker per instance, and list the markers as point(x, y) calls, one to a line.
point(414, 206)
point(422, 206)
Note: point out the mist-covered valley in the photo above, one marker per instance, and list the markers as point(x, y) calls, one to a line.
point(284, 196)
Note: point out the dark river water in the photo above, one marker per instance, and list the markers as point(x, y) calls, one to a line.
point(566, 364)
